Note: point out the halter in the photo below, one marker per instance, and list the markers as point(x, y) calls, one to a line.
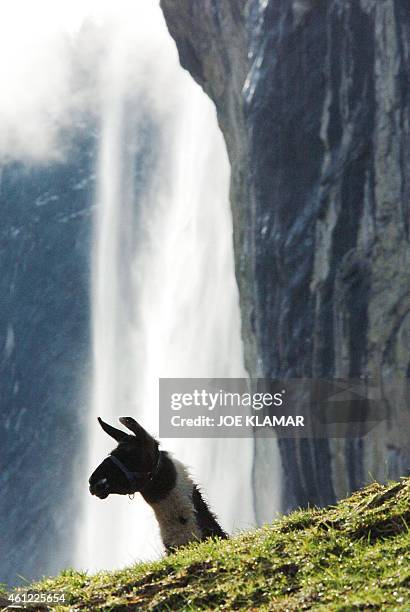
point(132, 477)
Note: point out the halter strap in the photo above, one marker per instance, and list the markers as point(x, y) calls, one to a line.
point(133, 476)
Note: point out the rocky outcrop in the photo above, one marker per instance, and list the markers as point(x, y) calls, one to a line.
point(44, 335)
point(313, 100)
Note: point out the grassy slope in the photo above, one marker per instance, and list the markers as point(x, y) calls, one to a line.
point(354, 556)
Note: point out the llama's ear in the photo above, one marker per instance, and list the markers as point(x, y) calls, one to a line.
point(117, 434)
point(135, 427)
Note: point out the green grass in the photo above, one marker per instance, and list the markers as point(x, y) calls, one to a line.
point(353, 556)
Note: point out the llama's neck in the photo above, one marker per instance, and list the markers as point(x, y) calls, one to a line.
point(182, 514)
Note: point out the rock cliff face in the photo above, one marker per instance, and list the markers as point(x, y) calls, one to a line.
point(313, 100)
point(44, 339)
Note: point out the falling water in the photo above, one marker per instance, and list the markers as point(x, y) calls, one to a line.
point(164, 297)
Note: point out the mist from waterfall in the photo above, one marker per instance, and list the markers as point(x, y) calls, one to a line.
point(163, 292)
point(164, 297)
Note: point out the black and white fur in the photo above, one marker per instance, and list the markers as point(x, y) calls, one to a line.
point(137, 465)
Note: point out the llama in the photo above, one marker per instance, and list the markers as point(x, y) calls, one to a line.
point(137, 465)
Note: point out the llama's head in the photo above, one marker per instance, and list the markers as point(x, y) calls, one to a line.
point(130, 466)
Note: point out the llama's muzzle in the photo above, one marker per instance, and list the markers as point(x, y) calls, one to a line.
point(100, 489)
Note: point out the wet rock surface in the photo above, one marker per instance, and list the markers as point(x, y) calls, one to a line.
point(313, 100)
point(44, 338)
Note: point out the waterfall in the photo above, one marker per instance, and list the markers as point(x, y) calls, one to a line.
point(164, 297)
